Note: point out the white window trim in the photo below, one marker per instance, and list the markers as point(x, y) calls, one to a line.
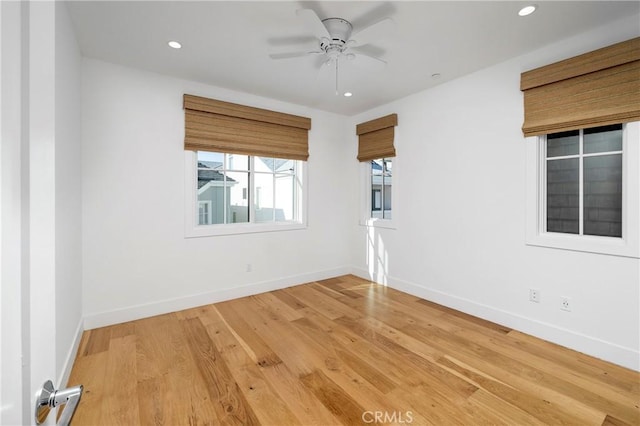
point(365, 198)
point(628, 245)
point(193, 230)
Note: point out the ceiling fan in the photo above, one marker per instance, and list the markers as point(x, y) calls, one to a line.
point(337, 41)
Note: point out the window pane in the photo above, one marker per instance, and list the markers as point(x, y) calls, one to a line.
point(376, 167)
point(603, 195)
point(563, 143)
point(263, 197)
point(210, 188)
point(284, 208)
point(237, 205)
point(563, 202)
point(376, 200)
point(376, 188)
point(237, 162)
point(209, 161)
point(263, 164)
point(603, 139)
point(284, 166)
point(387, 181)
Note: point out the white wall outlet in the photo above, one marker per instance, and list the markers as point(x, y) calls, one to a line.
point(534, 295)
point(248, 267)
point(565, 304)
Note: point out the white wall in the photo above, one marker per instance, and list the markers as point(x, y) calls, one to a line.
point(14, 392)
point(460, 237)
point(40, 236)
point(136, 259)
point(68, 191)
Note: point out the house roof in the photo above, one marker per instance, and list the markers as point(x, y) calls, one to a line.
point(206, 173)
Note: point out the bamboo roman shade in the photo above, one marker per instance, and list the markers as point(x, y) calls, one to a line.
point(595, 89)
point(212, 125)
point(376, 138)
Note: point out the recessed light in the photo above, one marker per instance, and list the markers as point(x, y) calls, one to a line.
point(527, 10)
point(174, 44)
point(348, 94)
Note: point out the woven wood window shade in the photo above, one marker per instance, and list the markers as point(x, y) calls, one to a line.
point(595, 89)
point(376, 138)
point(212, 125)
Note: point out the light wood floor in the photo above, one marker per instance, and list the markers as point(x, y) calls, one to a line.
point(340, 351)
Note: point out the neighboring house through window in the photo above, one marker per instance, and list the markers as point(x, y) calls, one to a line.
point(584, 181)
point(381, 188)
point(256, 193)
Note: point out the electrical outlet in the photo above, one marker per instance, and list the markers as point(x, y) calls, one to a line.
point(534, 295)
point(248, 267)
point(565, 304)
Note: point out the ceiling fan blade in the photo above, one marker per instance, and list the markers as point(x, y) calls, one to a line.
point(367, 57)
point(314, 23)
point(373, 32)
point(293, 54)
point(289, 40)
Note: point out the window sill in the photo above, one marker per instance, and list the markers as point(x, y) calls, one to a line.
point(588, 244)
point(378, 223)
point(241, 228)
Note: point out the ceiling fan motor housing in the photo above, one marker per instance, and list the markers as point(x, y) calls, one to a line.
point(340, 31)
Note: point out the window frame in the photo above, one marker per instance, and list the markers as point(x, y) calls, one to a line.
point(366, 194)
point(194, 230)
point(626, 246)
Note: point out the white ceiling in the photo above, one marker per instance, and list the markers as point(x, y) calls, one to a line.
point(227, 43)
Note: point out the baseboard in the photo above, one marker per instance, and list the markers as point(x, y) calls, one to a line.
point(589, 345)
point(71, 356)
point(131, 313)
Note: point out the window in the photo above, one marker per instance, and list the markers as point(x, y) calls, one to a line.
point(584, 181)
point(235, 193)
point(378, 205)
point(583, 188)
point(381, 184)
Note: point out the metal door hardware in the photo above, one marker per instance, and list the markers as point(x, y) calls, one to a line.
point(48, 397)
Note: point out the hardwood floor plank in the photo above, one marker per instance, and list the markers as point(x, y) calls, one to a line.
point(230, 404)
point(119, 406)
point(583, 399)
point(89, 371)
point(612, 421)
point(366, 370)
point(324, 304)
point(420, 369)
point(505, 413)
point(97, 341)
point(313, 355)
point(546, 410)
point(261, 353)
point(465, 317)
point(286, 385)
point(337, 401)
point(333, 351)
point(602, 371)
point(289, 299)
point(278, 306)
point(249, 375)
